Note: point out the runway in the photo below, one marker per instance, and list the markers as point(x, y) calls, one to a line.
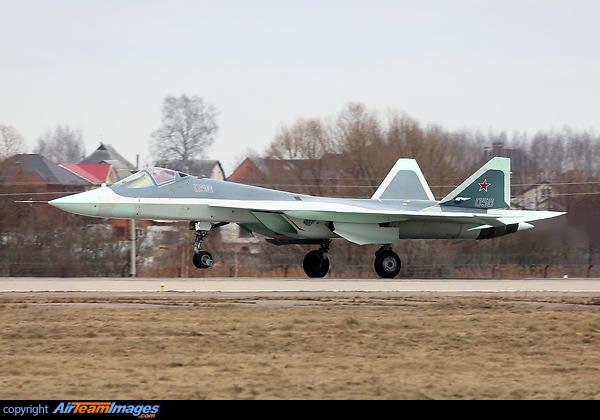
point(266, 285)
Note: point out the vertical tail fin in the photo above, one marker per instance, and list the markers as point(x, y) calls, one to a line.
point(405, 181)
point(488, 188)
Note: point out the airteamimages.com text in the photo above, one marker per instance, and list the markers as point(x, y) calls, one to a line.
point(147, 411)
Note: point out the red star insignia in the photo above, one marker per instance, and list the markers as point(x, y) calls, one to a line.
point(483, 186)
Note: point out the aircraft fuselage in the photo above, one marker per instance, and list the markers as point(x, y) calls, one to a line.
point(190, 198)
point(403, 207)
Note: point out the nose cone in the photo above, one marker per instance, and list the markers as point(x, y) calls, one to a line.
point(85, 203)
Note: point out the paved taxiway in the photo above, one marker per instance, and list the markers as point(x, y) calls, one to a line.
point(34, 284)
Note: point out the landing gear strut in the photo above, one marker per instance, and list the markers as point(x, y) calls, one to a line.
point(387, 262)
point(203, 259)
point(316, 262)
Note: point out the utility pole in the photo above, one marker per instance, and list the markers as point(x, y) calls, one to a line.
point(133, 233)
point(133, 248)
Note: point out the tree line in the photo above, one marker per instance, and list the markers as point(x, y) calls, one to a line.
point(347, 154)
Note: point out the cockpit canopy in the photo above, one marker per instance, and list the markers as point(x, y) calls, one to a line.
point(149, 178)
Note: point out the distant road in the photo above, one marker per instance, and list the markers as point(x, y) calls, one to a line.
point(35, 284)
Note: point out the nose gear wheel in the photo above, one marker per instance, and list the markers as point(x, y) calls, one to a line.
point(203, 259)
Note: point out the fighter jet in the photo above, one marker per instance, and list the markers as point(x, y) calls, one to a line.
point(403, 207)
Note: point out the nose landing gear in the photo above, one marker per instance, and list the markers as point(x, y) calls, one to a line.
point(202, 259)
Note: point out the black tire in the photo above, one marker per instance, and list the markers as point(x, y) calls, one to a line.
point(387, 264)
point(316, 264)
point(203, 259)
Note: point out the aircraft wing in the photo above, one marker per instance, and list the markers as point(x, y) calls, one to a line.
point(333, 212)
point(341, 212)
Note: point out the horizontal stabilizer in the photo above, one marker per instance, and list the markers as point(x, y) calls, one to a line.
point(404, 182)
point(488, 188)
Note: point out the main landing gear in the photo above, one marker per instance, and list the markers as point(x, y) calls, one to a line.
point(316, 263)
point(387, 262)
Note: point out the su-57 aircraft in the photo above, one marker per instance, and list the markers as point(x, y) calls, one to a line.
point(403, 207)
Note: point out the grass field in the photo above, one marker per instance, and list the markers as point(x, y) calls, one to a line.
point(363, 347)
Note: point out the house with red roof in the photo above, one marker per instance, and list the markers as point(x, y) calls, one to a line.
point(95, 173)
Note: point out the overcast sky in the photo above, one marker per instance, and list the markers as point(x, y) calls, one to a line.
point(105, 66)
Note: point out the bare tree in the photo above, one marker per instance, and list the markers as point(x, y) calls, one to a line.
point(300, 149)
point(305, 139)
point(359, 136)
point(188, 129)
point(63, 145)
point(437, 152)
point(11, 142)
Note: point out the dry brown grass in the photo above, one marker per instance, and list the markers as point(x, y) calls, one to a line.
point(319, 348)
